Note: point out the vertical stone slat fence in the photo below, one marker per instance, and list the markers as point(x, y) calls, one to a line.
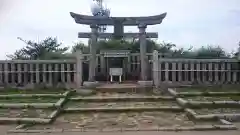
point(195, 71)
point(21, 73)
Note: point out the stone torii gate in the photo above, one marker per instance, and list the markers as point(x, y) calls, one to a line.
point(118, 23)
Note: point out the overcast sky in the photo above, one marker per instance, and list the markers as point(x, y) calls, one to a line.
point(188, 22)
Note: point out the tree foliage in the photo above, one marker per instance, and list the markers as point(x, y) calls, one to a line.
point(49, 48)
point(80, 46)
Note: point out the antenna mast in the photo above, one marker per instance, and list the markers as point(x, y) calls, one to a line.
point(102, 11)
point(100, 3)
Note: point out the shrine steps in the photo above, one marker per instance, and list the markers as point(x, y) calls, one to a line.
point(123, 87)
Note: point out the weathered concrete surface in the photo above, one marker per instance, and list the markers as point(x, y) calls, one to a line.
point(90, 84)
point(236, 132)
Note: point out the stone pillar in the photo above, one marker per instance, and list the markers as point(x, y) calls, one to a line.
point(155, 69)
point(79, 72)
point(102, 64)
point(143, 48)
point(92, 61)
point(129, 64)
point(238, 51)
point(118, 29)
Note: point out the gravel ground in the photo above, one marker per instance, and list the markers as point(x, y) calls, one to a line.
point(99, 121)
point(219, 132)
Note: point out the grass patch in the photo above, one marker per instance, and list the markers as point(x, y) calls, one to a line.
point(29, 100)
point(205, 111)
point(224, 88)
point(213, 98)
point(25, 113)
point(203, 98)
point(235, 98)
point(31, 91)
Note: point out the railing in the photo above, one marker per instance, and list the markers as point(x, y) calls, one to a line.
point(49, 72)
point(195, 71)
point(69, 72)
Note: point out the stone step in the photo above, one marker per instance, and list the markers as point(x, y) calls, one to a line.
point(124, 87)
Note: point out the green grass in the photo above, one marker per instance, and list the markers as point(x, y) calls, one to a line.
point(205, 111)
point(235, 98)
point(29, 100)
point(224, 88)
point(35, 91)
point(25, 113)
point(203, 98)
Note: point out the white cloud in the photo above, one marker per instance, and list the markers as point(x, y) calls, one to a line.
point(188, 22)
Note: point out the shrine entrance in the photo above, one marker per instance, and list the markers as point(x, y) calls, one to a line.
point(116, 64)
